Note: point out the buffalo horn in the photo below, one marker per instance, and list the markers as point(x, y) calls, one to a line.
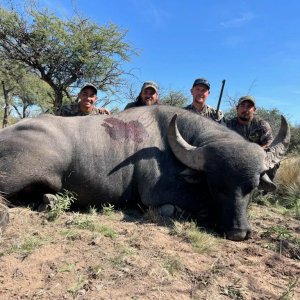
point(279, 145)
point(190, 156)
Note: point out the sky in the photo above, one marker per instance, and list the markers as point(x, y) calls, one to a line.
point(254, 45)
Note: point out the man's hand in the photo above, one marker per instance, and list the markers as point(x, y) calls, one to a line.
point(103, 111)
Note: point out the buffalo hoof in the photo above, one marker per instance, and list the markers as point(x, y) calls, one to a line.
point(4, 217)
point(167, 210)
point(48, 202)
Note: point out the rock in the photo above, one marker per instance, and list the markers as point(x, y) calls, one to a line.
point(167, 210)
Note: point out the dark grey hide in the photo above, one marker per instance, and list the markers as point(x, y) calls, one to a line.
point(140, 155)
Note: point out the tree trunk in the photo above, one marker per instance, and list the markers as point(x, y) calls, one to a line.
point(58, 99)
point(6, 107)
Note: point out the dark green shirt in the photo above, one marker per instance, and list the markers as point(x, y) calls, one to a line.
point(72, 110)
point(257, 131)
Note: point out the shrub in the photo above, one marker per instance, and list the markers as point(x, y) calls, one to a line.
point(62, 203)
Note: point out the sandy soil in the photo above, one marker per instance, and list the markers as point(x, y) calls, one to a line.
point(125, 256)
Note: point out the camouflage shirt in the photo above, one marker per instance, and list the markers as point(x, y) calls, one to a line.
point(208, 111)
point(72, 110)
point(257, 131)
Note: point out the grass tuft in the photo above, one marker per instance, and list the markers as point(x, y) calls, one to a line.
point(87, 223)
point(201, 241)
point(62, 204)
point(108, 209)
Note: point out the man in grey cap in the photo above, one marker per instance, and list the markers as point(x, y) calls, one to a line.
point(248, 125)
point(200, 92)
point(148, 96)
point(86, 105)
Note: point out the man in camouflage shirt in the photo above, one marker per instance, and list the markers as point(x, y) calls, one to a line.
point(86, 105)
point(248, 125)
point(200, 92)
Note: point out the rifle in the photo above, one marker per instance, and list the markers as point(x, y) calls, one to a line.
point(220, 97)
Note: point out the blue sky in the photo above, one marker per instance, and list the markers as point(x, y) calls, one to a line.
point(253, 44)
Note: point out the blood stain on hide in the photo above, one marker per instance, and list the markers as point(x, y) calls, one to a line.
point(133, 130)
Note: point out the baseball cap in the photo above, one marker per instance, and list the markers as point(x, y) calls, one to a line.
point(151, 84)
point(246, 98)
point(202, 81)
point(89, 85)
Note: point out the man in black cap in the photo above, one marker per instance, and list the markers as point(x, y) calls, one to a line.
point(200, 92)
point(86, 105)
point(249, 126)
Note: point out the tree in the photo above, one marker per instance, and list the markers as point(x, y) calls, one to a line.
point(22, 90)
point(64, 53)
point(9, 76)
point(295, 140)
point(175, 98)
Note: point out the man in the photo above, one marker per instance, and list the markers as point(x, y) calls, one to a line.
point(148, 96)
point(86, 105)
point(248, 125)
point(200, 92)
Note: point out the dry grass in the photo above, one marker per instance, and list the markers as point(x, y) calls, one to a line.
point(288, 183)
point(288, 173)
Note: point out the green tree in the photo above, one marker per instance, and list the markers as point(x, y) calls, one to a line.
point(9, 76)
point(22, 90)
point(64, 53)
point(295, 140)
point(174, 98)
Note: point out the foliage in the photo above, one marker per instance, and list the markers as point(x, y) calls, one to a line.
point(22, 91)
point(294, 146)
point(175, 98)
point(63, 203)
point(87, 223)
point(201, 241)
point(77, 286)
point(63, 52)
point(172, 265)
point(27, 245)
point(108, 209)
point(290, 291)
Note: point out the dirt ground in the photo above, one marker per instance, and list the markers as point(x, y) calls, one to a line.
point(122, 255)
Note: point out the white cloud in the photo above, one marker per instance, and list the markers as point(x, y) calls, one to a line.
point(150, 12)
point(237, 22)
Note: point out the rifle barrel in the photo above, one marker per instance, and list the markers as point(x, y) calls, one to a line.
point(221, 94)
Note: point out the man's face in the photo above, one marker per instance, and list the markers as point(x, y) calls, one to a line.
point(87, 99)
point(149, 96)
point(200, 92)
point(245, 111)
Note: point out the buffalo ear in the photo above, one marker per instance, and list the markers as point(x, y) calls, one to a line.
point(191, 176)
point(266, 184)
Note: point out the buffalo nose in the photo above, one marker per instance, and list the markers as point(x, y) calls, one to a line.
point(238, 234)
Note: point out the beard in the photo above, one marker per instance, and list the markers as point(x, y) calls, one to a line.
point(149, 101)
point(244, 117)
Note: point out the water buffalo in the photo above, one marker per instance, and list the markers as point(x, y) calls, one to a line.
point(157, 155)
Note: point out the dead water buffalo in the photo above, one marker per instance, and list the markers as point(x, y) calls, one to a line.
point(157, 155)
